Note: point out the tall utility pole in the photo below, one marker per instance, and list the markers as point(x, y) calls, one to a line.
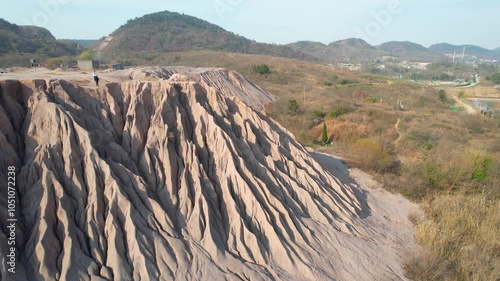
point(454, 54)
point(463, 54)
point(304, 98)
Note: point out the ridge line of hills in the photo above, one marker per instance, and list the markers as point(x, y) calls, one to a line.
point(165, 31)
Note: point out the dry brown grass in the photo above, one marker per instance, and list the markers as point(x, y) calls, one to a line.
point(416, 217)
point(460, 239)
point(477, 91)
point(341, 130)
point(81, 82)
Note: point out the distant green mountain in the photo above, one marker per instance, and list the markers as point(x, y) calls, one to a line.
point(352, 50)
point(411, 51)
point(173, 32)
point(142, 39)
point(315, 49)
point(20, 43)
point(445, 48)
point(357, 50)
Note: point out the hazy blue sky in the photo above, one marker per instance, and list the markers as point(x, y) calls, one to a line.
point(422, 21)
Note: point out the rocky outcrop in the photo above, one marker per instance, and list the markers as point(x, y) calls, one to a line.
point(172, 176)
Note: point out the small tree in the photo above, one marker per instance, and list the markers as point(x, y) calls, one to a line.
point(324, 135)
point(85, 56)
point(53, 63)
point(293, 106)
point(442, 96)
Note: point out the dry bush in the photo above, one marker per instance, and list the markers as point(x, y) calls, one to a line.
point(474, 124)
point(421, 138)
point(409, 183)
point(371, 155)
point(381, 117)
point(359, 94)
point(415, 216)
point(424, 267)
point(460, 239)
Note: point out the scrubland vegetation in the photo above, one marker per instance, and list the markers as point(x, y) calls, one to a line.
point(460, 238)
point(448, 161)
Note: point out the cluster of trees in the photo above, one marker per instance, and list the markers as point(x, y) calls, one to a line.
point(495, 78)
point(55, 62)
point(429, 76)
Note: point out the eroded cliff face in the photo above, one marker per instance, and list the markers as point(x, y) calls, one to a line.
point(169, 178)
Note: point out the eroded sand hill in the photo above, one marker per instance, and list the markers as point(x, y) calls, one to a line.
point(175, 174)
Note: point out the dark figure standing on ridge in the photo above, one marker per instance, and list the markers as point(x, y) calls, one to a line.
point(96, 78)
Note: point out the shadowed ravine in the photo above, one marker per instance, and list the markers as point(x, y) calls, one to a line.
point(172, 175)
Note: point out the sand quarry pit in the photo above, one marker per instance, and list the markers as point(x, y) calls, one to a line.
point(176, 173)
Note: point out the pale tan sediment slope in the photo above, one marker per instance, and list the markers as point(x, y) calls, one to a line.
point(174, 174)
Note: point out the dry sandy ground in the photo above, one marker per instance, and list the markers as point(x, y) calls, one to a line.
point(19, 73)
point(84, 77)
point(386, 223)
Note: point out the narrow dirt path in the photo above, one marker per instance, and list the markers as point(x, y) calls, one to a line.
point(397, 130)
point(469, 108)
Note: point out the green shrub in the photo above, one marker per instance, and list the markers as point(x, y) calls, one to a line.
point(340, 110)
point(428, 146)
point(346, 82)
point(293, 106)
point(434, 175)
point(481, 169)
point(318, 114)
point(261, 69)
point(371, 99)
point(328, 84)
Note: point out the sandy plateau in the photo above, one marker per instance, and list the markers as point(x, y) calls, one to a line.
point(177, 174)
